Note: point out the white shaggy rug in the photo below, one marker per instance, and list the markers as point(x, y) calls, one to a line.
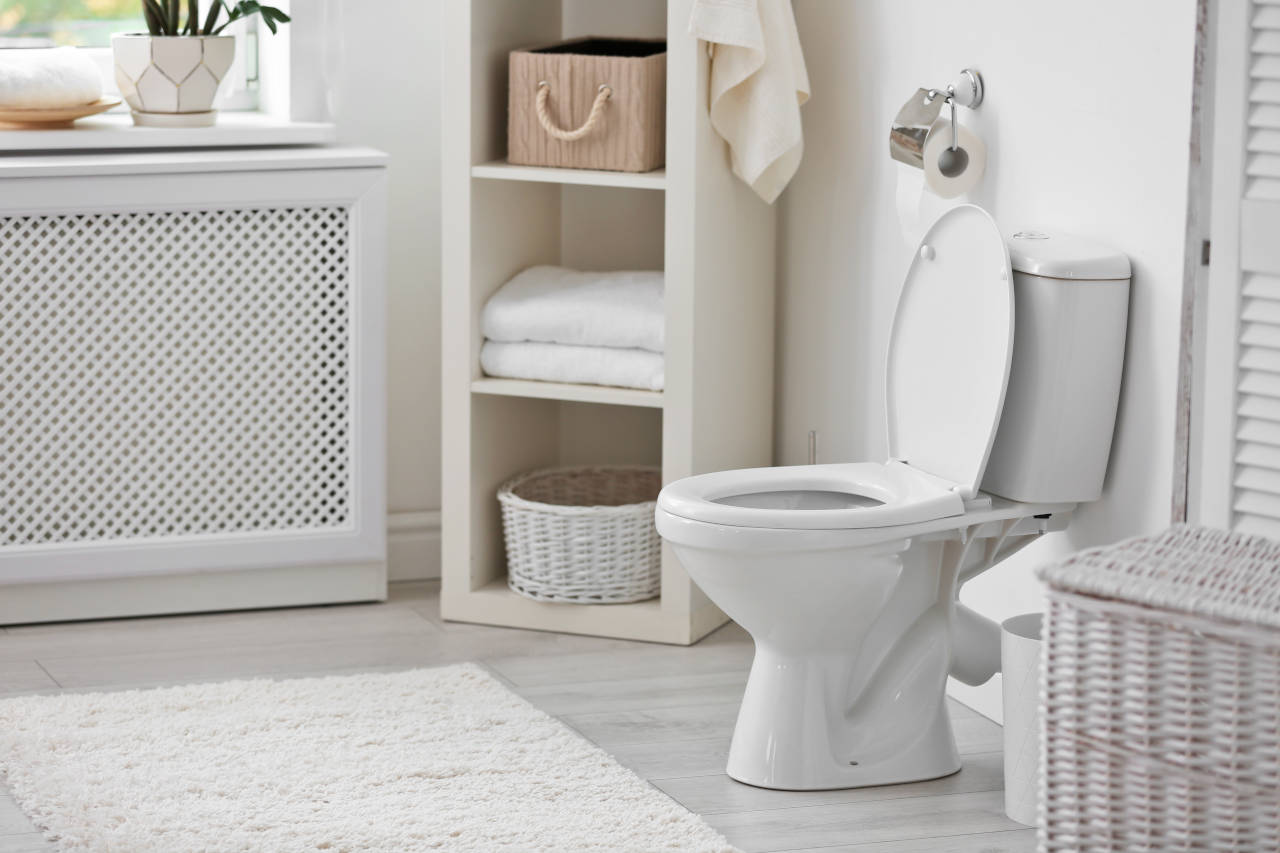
point(435, 759)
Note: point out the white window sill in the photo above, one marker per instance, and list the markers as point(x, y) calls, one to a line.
point(116, 131)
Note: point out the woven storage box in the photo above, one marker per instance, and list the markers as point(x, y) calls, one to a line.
point(1161, 695)
point(583, 535)
point(589, 104)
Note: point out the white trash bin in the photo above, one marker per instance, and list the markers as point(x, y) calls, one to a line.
point(1020, 644)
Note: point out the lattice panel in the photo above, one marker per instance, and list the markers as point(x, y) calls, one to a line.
point(173, 374)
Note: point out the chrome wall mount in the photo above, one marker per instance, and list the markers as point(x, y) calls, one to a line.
point(912, 124)
point(966, 90)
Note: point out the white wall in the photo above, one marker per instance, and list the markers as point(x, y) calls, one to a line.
point(389, 97)
point(1087, 123)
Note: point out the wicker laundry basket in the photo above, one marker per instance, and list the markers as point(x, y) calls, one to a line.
point(1161, 695)
point(589, 103)
point(583, 535)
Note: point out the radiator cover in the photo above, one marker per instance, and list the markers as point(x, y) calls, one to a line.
point(176, 373)
point(190, 387)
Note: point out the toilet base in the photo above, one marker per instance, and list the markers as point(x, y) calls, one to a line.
point(795, 734)
point(933, 758)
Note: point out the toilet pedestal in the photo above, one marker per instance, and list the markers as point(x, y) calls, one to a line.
point(854, 644)
point(786, 737)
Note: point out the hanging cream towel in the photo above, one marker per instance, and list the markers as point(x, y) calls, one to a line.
point(758, 82)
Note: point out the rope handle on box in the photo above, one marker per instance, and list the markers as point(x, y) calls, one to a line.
point(593, 118)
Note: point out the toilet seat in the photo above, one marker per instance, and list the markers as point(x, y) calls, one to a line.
point(950, 349)
point(947, 370)
point(766, 497)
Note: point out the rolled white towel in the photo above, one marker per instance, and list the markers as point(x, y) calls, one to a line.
point(625, 368)
point(47, 78)
point(564, 306)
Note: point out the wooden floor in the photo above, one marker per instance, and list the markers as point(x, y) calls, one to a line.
point(664, 711)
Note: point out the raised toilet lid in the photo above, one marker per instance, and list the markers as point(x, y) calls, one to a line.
point(950, 348)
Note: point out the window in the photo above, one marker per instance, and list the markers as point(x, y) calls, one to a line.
point(91, 23)
point(81, 23)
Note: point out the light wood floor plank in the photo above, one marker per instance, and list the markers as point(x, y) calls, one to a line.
point(30, 842)
point(12, 820)
point(1010, 841)
point(184, 666)
point(883, 820)
point(23, 676)
point(674, 759)
point(688, 722)
point(647, 661)
point(637, 694)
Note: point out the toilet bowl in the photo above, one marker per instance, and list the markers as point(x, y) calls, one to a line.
point(846, 575)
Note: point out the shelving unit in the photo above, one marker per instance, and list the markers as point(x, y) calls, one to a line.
point(711, 235)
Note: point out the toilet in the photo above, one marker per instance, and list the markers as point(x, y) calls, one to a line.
point(1002, 383)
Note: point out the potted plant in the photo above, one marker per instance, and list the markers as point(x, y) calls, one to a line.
point(169, 75)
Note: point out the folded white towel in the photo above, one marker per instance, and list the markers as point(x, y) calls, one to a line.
point(758, 82)
point(626, 368)
point(563, 306)
point(47, 78)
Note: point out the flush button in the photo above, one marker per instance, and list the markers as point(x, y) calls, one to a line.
point(926, 253)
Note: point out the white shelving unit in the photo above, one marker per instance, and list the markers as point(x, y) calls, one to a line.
point(711, 235)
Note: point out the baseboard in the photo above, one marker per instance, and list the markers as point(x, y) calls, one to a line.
point(191, 592)
point(413, 545)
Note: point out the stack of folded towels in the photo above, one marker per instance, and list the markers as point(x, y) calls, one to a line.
point(562, 325)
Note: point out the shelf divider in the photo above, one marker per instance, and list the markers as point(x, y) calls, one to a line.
point(567, 391)
point(503, 171)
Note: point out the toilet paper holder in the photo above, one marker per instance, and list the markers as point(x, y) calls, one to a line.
point(911, 125)
point(965, 91)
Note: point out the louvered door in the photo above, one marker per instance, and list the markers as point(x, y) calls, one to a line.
point(1238, 401)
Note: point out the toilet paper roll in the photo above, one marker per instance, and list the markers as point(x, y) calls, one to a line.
point(917, 207)
point(939, 138)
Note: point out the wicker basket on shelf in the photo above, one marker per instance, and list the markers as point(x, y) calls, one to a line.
point(1161, 695)
point(583, 535)
point(592, 103)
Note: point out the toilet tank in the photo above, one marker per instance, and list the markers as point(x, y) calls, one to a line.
point(1071, 306)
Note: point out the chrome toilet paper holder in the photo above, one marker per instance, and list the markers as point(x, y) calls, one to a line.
point(911, 125)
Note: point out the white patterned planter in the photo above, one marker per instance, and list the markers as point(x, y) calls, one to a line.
point(170, 81)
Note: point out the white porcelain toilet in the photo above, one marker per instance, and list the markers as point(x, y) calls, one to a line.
point(1003, 378)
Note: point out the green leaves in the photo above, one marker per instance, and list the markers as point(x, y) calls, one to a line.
point(157, 21)
point(214, 8)
point(163, 16)
point(271, 16)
